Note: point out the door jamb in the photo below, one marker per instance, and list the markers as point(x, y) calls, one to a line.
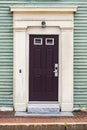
point(38, 30)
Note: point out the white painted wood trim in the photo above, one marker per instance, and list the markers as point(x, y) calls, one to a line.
point(6, 108)
point(43, 8)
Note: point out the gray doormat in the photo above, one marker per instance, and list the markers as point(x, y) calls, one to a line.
point(59, 114)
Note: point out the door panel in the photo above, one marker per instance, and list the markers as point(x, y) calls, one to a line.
point(43, 85)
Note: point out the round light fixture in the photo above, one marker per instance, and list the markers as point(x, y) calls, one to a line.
point(43, 24)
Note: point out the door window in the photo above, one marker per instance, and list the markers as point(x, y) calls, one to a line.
point(37, 41)
point(49, 41)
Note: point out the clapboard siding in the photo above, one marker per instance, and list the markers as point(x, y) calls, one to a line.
point(80, 57)
point(80, 48)
point(6, 56)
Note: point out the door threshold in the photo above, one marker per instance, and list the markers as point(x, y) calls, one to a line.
point(43, 102)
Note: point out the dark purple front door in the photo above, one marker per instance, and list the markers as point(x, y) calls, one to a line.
point(43, 61)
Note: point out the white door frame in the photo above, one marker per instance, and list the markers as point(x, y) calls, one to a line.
point(42, 31)
point(27, 18)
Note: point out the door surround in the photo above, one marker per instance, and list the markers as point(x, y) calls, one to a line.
point(60, 21)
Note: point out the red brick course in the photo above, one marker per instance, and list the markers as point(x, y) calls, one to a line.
point(8, 117)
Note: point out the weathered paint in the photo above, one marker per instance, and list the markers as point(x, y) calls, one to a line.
point(6, 48)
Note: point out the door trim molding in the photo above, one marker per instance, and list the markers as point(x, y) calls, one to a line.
point(25, 20)
point(43, 8)
point(39, 31)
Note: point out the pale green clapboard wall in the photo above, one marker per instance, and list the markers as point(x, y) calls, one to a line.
point(80, 48)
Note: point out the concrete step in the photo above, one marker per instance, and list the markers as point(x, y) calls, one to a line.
point(59, 114)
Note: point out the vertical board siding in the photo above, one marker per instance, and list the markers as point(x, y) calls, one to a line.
point(80, 48)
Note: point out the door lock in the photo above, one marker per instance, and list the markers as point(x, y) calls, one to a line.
point(20, 71)
point(55, 70)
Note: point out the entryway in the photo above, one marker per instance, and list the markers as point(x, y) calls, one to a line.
point(43, 73)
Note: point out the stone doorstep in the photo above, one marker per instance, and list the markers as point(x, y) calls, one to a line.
point(59, 114)
point(52, 108)
point(43, 110)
